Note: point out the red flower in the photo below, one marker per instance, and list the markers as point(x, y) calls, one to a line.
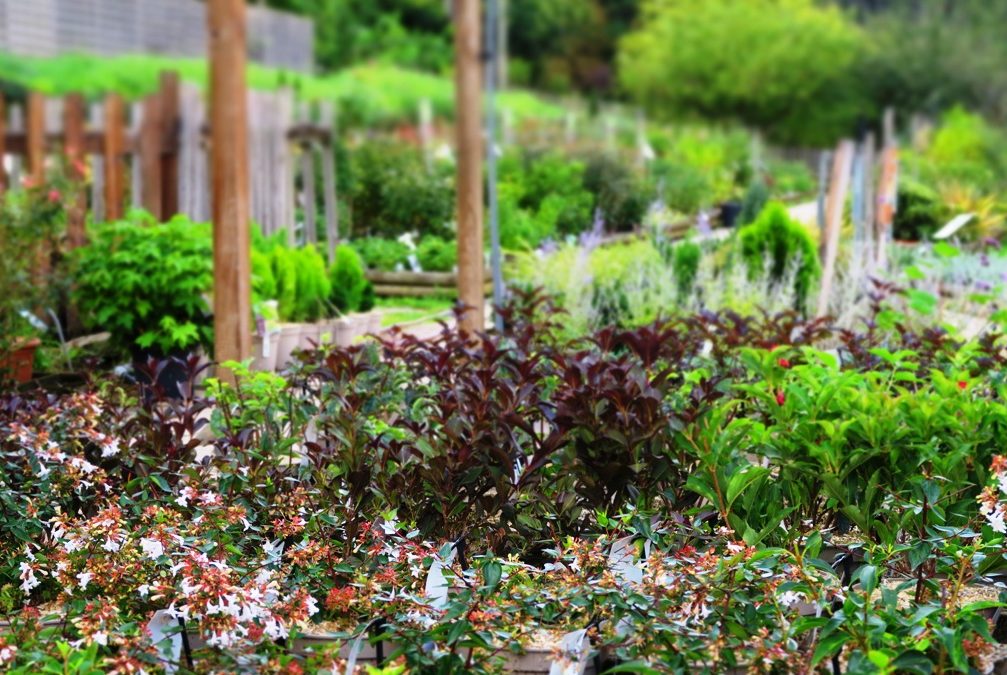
point(53, 196)
point(780, 398)
point(784, 363)
point(963, 385)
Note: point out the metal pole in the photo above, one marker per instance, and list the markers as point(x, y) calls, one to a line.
point(492, 53)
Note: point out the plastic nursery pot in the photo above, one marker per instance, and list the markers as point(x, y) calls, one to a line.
point(571, 653)
point(729, 212)
point(287, 342)
point(538, 660)
point(311, 336)
point(19, 362)
point(265, 349)
point(374, 322)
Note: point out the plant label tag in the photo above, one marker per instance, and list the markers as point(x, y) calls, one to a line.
point(953, 225)
point(437, 585)
point(621, 560)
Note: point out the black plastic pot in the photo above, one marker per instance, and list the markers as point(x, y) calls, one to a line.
point(729, 212)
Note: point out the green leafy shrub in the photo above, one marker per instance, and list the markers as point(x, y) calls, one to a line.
point(393, 193)
point(791, 178)
point(754, 202)
point(347, 281)
point(524, 229)
point(620, 194)
point(784, 242)
point(146, 283)
point(685, 264)
point(966, 149)
point(381, 254)
point(437, 255)
point(559, 180)
point(684, 188)
point(713, 59)
point(919, 211)
point(263, 281)
point(313, 286)
point(30, 221)
point(284, 264)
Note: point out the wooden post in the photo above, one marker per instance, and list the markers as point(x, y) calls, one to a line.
point(115, 144)
point(468, 121)
point(839, 184)
point(151, 144)
point(36, 137)
point(171, 128)
point(232, 311)
point(328, 120)
point(74, 140)
point(74, 147)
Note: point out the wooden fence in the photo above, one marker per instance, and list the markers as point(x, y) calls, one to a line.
point(154, 154)
point(168, 27)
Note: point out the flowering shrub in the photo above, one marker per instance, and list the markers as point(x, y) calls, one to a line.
point(663, 498)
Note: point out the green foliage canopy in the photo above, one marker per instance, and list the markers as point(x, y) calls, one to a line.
point(786, 66)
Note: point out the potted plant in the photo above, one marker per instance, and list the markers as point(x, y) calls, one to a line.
point(350, 293)
point(31, 222)
point(312, 295)
point(147, 283)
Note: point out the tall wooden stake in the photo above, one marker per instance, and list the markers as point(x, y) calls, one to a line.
point(74, 118)
point(470, 188)
point(115, 146)
point(232, 312)
point(74, 140)
point(839, 185)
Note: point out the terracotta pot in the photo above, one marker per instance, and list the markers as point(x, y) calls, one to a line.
point(19, 362)
point(287, 342)
point(266, 351)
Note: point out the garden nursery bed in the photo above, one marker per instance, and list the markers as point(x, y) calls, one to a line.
point(705, 494)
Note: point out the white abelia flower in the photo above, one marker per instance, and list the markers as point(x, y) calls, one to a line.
point(996, 521)
point(28, 579)
point(152, 548)
point(84, 578)
point(791, 598)
point(110, 447)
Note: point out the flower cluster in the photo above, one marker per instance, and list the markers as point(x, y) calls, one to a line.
point(991, 506)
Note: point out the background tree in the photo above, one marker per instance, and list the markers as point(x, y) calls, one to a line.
point(785, 66)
